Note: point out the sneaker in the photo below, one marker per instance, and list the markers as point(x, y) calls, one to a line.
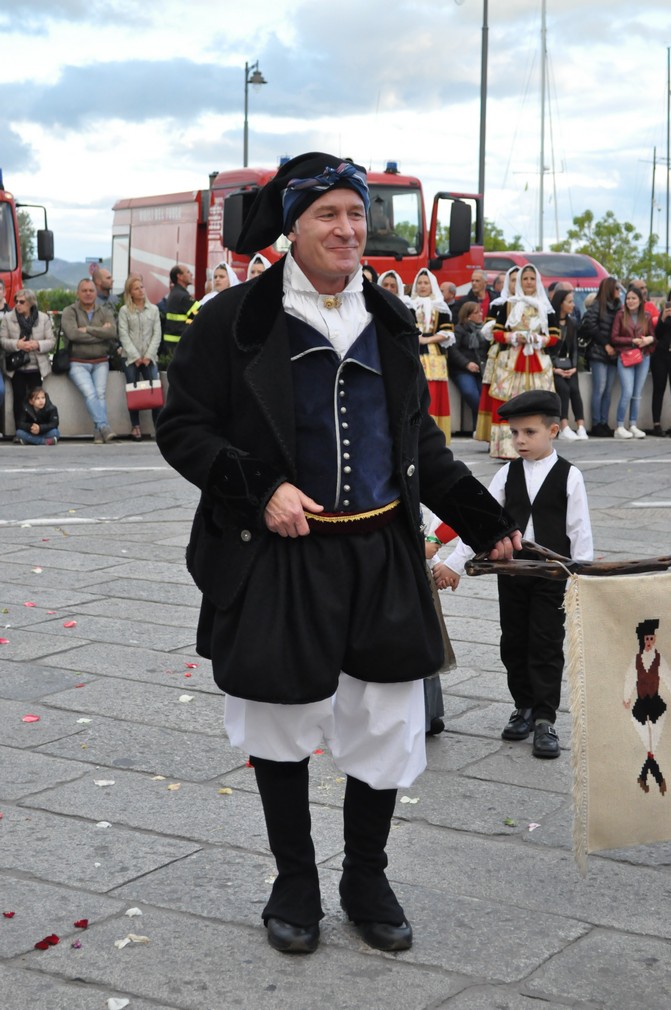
point(656, 431)
point(51, 441)
point(621, 432)
point(636, 432)
point(97, 437)
point(18, 441)
point(519, 726)
point(107, 434)
point(581, 433)
point(568, 434)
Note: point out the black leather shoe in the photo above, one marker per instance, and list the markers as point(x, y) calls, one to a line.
point(384, 936)
point(519, 726)
point(546, 741)
point(290, 939)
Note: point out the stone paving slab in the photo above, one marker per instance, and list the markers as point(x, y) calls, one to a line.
point(155, 706)
point(42, 908)
point(169, 594)
point(464, 804)
point(53, 725)
point(115, 744)
point(117, 546)
point(193, 811)
point(132, 612)
point(501, 997)
point(129, 662)
point(34, 990)
point(156, 571)
point(31, 681)
point(626, 971)
point(68, 851)
point(221, 966)
point(25, 772)
point(52, 577)
point(514, 764)
point(48, 557)
point(120, 631)
point(619, 896)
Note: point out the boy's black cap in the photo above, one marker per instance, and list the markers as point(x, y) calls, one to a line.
point(534, 401)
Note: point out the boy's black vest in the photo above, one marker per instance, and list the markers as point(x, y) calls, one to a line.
point(549, 508)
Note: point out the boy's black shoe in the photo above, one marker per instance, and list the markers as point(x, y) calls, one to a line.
point(546, 741)
point(519, 726)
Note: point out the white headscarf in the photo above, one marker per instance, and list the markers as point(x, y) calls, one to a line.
point(430, 304)
point(399, 285)
point(505, 290)
point(257, 258)
point(233, 279)
point(519, 302)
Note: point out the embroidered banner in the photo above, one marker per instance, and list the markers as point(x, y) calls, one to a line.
point(619, 671)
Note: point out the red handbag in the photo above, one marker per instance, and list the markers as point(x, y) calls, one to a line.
point(631, 356)
point(146, 394)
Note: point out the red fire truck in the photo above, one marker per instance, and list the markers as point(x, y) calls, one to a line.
point(11, 270)
point(199, 229)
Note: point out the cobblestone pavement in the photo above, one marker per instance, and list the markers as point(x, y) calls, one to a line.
point(125, 794)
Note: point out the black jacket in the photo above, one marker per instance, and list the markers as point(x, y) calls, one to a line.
point(228, 427)
point(459, 355)
point(47, 418)
point(598, 328)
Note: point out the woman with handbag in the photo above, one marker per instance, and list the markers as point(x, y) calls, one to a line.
point(27, 337)
point(564, 356)
point(634, 342)
point(140, 335)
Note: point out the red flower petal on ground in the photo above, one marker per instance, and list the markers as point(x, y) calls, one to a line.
point(318, 751)
point(82, 923)
point(48, 941)
point(30, 718)
point(4, 641)
point(69, 624)
point(188, 675)
point(9, 915)
point(28, 604)
point(191, 666)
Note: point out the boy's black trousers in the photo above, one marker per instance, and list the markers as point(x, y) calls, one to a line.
point(532, 641)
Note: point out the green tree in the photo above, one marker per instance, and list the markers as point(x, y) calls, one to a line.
point(26, 239)
point(495, 240)
point(613, 243)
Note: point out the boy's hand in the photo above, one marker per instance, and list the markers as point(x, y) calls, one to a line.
point(444, 577)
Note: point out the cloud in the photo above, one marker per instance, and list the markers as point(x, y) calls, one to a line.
point(17, 156)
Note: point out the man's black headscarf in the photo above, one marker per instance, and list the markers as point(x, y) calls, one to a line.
point(297, 184)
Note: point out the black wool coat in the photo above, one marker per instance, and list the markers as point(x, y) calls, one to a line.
point(228, 427)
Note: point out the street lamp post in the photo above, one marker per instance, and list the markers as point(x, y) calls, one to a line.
point(255, 78)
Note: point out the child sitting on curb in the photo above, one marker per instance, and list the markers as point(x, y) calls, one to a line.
point(38, 425)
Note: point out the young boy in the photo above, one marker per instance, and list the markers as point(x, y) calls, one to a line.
point(546, 497)
point(38, 424)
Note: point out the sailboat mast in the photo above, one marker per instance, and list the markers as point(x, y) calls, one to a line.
point(541, 198)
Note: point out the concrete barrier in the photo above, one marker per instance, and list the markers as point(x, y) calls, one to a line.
point(76, 423)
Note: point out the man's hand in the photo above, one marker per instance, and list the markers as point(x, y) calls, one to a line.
point(285, 512)
point(503, 550)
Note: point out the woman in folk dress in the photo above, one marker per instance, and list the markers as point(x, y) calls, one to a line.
point(434, 322)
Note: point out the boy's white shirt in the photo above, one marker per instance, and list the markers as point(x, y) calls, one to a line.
point(578, 525)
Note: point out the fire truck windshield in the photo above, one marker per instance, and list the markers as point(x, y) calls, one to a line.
point(394, 222)
point(8, 256)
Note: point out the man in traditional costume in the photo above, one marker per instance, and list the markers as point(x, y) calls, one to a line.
point(298, 406)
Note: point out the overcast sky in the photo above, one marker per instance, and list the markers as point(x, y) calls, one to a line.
point(108, 100)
